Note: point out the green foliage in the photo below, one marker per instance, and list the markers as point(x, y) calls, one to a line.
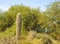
point(31, 22)
point(53, 17)
point(5, 21)
point(11, 31)
point(26, 12)
point(2, 22)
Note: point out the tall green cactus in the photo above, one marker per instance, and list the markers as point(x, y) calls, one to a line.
point(18, 26)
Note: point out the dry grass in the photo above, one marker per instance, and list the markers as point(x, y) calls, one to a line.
point(35, 38)
point(8, 40)
point(31, 38)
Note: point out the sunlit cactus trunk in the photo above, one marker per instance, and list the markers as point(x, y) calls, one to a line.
point(18, 26)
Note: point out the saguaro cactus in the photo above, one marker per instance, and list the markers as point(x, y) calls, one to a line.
point(18, 26)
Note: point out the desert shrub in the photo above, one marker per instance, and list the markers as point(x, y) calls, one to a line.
point(31, 22)
point(46, 40)
point(5, 22)
point(55, 35)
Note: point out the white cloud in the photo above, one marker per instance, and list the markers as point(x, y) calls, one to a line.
point(4, 8)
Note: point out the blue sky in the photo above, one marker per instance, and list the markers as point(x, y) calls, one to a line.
point(5, 4)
